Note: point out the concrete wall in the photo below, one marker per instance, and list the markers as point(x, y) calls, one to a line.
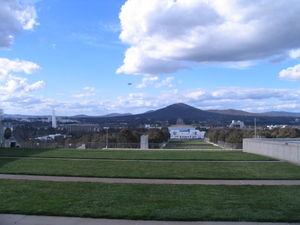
point(283, 149)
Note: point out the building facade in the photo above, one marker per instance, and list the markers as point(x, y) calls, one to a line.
point(237, 124)
point(183, 132)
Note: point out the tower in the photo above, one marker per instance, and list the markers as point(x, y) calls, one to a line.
point(54, 122)
point(1, 129)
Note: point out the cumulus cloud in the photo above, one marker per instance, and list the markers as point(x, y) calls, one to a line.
point(134, 63)
point(291, 73)
point(165, 34)
point(146, 81)
point(222, 98)
point(12, 86)
point(18, 66)
point(15, 16)
point(295, 54)
point(168, 82)
point(251, 99)
point(155, 81)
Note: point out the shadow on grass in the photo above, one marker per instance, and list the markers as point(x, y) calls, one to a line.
point(7, 154)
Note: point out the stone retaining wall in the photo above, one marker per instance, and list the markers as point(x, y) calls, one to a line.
point(283, 149)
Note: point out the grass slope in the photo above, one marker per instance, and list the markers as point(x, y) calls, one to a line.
point(152, 202)
point(190, 144)
point(135, 169)
point(138, 154)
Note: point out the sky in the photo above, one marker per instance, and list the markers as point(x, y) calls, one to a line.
point(130, 56)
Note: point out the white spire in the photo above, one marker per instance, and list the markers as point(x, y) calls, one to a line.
point(1, 129)
point(54, 123)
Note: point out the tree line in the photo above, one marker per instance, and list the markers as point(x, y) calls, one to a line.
point(26, 133)
point(237, 135)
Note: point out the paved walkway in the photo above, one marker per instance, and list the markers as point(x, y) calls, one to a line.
point(8, 219)
point(132, 160)
point(149, 181)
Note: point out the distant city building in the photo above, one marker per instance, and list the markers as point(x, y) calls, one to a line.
point(179, 121)
point(54, 122)
point(183, 132)
point(152, 126)
point(237, 124)
point(51, 137)
point(73, 128)
point(271, 127)
point(11, 143)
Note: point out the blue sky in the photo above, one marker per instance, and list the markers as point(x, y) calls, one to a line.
point(79, 56)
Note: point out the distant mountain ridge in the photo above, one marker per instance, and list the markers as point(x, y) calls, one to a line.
point(245, 113)
point(282, 113)
point(190, 115)
point(117, 114)
point(232, 112)
point(186, 112)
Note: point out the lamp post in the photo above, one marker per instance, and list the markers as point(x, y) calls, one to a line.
point(106, 128)
point(254, 127)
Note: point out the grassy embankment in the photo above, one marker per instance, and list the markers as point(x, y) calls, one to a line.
point(133, 154)
point(166, 170)
point(190, 144)
point(152, 202)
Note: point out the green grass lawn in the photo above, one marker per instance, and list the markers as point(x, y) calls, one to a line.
point(134, 154)
point(199, 142)
point(174, 146)
point(135, 169)
point(152, 202)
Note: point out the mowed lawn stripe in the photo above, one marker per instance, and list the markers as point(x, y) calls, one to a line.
point(151, 202)
point(163, 170)
point(134, 154)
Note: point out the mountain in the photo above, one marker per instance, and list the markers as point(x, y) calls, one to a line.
point(234, 112)
point(189, 115)
point(80, 116)
point(117, 114)
point(179, 110)
point(282, 114)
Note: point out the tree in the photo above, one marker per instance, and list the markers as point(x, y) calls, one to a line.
point(127, 136)
point(7, 133)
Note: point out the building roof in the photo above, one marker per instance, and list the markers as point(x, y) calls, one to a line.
point(182, 126)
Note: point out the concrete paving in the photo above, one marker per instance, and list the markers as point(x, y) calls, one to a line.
point(150, 181)
point(8, 219)
point(133, 160)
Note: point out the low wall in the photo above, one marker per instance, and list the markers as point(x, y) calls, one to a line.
point(283, 149)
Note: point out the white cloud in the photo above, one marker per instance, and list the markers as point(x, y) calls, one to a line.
point(295, 54)
point(90, 89)
point(164, 34)
point(17, 66)
point(168, 82)
point(291, 73)
point(222, 98)
point(12, 86)
point(154, 81)
point(15, 16)
point(86, 92)
point(146, 81)
point(137, 62)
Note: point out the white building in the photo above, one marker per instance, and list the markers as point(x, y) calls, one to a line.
point(237, 124)
point(54, 122)
point(185, 132)
point(50, 137)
